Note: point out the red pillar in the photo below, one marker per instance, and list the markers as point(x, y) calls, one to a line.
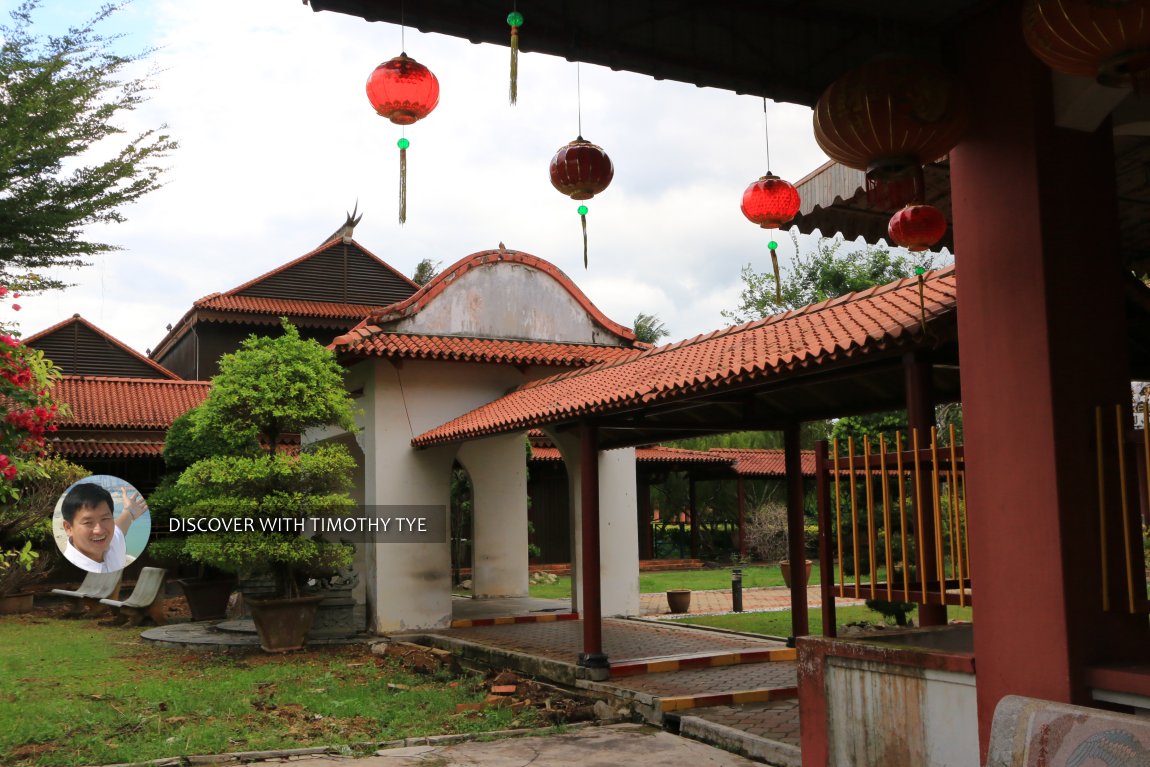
point(1042, 342)
point(920, 417)
point(694, 517)
point(796, 549)
point(592, 656)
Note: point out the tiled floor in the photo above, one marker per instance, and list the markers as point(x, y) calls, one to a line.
point(773, 720)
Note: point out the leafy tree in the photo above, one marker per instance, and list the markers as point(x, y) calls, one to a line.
point(59, 98)
point(827, 271)
point(425, 271)
point(649, 328)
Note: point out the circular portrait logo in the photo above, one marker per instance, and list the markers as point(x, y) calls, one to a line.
point(101, 524)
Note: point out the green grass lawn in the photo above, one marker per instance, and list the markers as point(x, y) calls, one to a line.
point(779, 623)
point(697, 580)
point(75, 692)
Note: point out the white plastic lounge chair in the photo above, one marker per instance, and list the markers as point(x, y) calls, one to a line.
point(144, 600)
point(96, 586)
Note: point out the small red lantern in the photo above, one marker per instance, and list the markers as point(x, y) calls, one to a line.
point(403, 91)
point(581, 170)
point(770, 202)
point(917, 227)
point(1107, 40)
point(889, 118)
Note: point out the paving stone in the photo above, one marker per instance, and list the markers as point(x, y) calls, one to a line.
point(773, 720)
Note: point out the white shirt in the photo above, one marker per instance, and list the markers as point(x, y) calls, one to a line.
point(115, 558)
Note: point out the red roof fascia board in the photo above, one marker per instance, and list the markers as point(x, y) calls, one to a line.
point(369, 341)
point(77, 319)
point(440, 282)
point(128, 403)
point(861, 323)
point(653, 454)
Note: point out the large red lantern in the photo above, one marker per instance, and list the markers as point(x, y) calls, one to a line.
point(888, 118)
point(403, 91)
point(1106, 40)
point(581, 170)
point(917, 227)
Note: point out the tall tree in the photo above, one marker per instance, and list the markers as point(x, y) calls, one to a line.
point(59, 98)
point(827, 271)
point(425, 271)
point(649, 328)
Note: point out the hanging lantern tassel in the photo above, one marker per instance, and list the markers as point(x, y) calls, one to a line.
point(514, 20)
point(583, 219)
point(403, 145)
point(921, 301)
point(775, 265)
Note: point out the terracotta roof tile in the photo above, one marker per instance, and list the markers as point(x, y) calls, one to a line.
point(262, 305)
point(108, 448)
point(860, 323)
point(764, 462)
point(369, 341)
point(127, 403)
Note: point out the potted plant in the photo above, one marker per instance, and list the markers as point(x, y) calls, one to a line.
point(269, 388)
point(785, 569)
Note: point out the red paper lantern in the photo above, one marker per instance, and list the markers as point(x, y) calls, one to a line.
point(1107, 40)
point(770, 202)
point(581, 170)
point(889, 118)
point(917, 227)
point(403, 90)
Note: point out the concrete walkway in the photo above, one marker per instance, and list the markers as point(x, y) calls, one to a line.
point(612, 745)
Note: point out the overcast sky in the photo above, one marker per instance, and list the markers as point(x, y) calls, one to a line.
point(278, 140)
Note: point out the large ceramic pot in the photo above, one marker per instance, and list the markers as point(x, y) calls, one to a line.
point(785, 569)
point(679, 600)
point(282, 624)
point(13, 604)
point(207, 599)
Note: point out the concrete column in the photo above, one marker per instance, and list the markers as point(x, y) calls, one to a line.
point(618, 546)
point(498, 470)
point(408, 584)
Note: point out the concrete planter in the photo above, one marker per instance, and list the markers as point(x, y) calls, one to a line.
point(283, 623)
point(679, 600)
point(14, 604)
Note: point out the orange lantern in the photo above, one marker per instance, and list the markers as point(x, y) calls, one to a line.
point(889, 118)
point(1106, 40)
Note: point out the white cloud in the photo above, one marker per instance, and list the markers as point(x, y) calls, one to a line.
point(278, 140)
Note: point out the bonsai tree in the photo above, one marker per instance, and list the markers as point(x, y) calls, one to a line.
point(266, 390)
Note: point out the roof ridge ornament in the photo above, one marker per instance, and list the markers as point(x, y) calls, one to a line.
point(347, 230)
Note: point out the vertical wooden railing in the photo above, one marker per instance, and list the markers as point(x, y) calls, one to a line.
point(875, 497)
point(1122, 460)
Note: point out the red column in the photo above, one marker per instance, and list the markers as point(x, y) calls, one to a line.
point(592, 655)
point(1042, 342)
point(920, 417)
point(796, 550)
point(694, 517)
point(826, 530)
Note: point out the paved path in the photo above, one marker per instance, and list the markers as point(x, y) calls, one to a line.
point(614, 745)
point(719, 600)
